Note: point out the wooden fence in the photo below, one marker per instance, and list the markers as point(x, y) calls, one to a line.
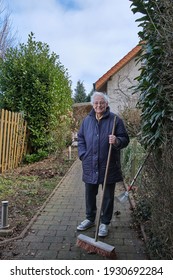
point(12, 139)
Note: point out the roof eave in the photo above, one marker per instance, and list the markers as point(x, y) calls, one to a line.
point(102, 81)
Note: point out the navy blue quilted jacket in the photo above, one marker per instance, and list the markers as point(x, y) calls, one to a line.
point(93, 146)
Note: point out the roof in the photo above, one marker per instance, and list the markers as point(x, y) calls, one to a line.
point(101, 82)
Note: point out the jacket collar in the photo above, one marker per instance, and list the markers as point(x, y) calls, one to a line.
point(105, 115)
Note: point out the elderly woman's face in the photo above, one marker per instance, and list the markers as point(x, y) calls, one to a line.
point(99, 105)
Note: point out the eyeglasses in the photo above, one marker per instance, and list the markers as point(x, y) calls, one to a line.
point(99, 103)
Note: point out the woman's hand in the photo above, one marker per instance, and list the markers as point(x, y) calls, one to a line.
point(113, 139)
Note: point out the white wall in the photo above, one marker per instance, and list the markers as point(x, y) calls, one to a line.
point(120, 96)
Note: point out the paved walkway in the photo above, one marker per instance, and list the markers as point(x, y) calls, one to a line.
point(53, 234)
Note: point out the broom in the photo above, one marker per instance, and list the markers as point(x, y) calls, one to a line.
point(123, 197)
point(92, 245)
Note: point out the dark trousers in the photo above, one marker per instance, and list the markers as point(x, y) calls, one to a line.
point(91, 192)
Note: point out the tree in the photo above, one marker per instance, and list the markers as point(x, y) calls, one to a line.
point(6, 38)
point(34, 82)
point(80, 93)
point(88, 97)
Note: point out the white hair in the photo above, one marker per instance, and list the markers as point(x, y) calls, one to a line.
point(98, 93)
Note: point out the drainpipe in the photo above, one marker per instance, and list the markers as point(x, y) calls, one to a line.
point(94, 86)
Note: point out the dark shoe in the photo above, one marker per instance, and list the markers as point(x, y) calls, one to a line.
point(85, 225)
point(103, 230)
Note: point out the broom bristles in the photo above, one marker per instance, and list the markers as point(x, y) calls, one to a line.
point(97, 247)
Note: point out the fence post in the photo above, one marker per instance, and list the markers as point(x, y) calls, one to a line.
point(69, 153)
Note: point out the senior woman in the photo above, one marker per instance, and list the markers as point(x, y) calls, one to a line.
point(94, 137)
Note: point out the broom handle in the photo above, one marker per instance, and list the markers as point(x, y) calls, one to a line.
point(104, 183)
point(138, 172)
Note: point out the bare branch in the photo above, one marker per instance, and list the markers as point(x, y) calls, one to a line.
point(6, 38)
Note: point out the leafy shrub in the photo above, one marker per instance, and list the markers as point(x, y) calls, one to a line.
point(142, 211)
point(35, 157)
point(34, 82)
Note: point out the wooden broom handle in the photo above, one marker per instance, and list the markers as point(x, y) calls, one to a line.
point(105, 180)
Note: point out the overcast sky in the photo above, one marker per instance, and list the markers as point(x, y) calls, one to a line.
point(90, 36)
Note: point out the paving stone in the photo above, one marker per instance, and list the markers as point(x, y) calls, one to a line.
point(39, 226)
point(33, 238)
point(55, 246)
point(45, 232)
point(38, 245)
point(46, 255)
point(53, 239)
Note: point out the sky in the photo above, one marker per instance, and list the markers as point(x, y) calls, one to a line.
point(90, 36)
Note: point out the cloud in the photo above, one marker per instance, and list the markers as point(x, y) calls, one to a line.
point(89, 36)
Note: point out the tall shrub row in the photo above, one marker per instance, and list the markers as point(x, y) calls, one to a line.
point(156, 102)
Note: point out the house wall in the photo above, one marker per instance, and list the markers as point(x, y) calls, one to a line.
point(118, 87)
